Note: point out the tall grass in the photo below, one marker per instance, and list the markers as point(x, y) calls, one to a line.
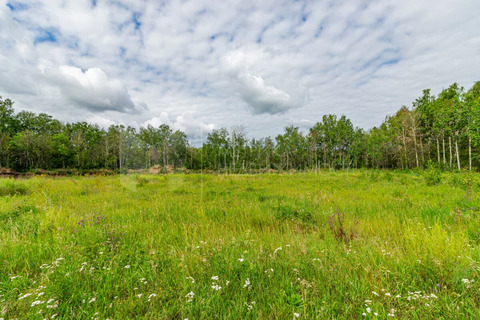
point(10, 187)
point(242, 247)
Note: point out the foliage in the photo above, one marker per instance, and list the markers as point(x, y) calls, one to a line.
point(433, 176)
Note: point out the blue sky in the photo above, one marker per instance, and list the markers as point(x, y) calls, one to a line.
point(200, 65)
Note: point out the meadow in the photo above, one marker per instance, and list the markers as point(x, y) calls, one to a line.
point(326, 245)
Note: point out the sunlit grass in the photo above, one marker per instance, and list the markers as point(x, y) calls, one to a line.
point(241, 246)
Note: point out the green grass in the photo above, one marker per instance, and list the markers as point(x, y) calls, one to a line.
point(331, 245)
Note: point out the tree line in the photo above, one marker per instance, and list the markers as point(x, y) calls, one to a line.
point(442, 130)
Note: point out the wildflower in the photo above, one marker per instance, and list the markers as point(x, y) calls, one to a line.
point(152, 295)
point(466, 281)
point(24, 296)
point(247, 283)
point(297, 315)
point(190, 296)
point(92, 300)
point(364, 314)
point(433, 296)
point(34, 303)
point(375, 293)
point(388, 294)
point(369, 310)
point(391, 315)
point(227, 282)
point(216, 287)
point(241, 259)
point(127, 266)
point(376, 314)
point(139, 295)
point(191, 278)
point(215, 278)
point(398, 296)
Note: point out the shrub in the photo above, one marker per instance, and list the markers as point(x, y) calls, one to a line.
point(433, 176)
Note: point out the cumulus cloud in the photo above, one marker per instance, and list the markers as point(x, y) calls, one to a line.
point(260, 96)
point(91, 89)
point(184, 122)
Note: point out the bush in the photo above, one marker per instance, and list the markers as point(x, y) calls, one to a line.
point(433, 176)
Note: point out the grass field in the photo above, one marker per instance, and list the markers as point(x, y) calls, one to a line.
point(330, 245)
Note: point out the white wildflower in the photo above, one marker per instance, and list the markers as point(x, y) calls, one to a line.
point(127, 266)
point(139, 295)
point(387, 294)
point(215, 278)
point(24, 296)
point(216, 287)
point(34, 303)
point(247, 283)
point(375, 293)
point(241, 260)
point(297, 315)
point(369, 310)
point(92, 300)
point(190, 296)
point(152, 295)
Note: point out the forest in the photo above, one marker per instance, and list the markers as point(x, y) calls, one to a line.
point(436, 130)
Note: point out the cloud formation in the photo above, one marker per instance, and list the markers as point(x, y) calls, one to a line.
point(260, 96)
point(91, 89)
point(204, 64)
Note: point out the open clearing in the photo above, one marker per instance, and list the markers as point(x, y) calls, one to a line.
point(344, 245)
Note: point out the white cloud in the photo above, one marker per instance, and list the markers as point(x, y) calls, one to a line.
point(100, 121)
point(91, 89)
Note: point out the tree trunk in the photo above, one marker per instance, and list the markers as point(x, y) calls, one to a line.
point(438, 151)
point(469, 152)
point(458, 155)
point(443, 145)
point(421, 151)
point(415, 147)
point(450, 150)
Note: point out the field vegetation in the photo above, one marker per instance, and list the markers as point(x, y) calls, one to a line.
point(327, 245)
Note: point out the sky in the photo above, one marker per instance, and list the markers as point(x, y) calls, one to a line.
point(262, 65)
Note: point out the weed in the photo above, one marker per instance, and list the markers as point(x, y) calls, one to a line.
point(342, 230)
